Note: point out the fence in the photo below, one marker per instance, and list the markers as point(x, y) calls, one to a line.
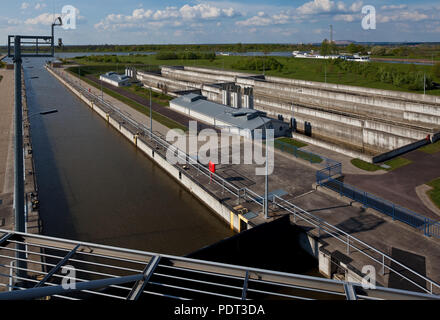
point(332, 168)
point(429, 227)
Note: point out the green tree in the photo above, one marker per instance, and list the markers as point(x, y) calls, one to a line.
point(325, 48)
point(436, 70)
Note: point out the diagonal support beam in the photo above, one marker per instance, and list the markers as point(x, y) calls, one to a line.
point(350, 292)
point(57, 267)
point(4, 239)
point(245, 286)
point(139, 286)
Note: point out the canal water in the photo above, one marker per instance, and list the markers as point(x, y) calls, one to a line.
point(94, 186)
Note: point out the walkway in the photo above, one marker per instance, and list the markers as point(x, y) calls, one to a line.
point(6, 148)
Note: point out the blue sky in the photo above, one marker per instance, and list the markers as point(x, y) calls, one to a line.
point(192, 21)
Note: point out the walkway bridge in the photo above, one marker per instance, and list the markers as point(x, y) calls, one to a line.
point(46, 265)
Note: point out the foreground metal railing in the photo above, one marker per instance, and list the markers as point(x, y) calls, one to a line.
point(298, 214)
point(73, 270)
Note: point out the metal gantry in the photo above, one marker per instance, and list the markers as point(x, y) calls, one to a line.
point(106, 272)
point(17, 50)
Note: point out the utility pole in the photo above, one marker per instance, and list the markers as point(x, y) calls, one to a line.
point(331, 34)
point(424, 84)
point(151, 116)
point(266, 178)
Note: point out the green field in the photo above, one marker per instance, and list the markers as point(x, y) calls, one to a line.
point(393, 163)
point(435, 193)
point(304, 69)
point(143, 109)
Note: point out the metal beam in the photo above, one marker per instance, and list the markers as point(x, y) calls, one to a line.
point(4, 239)
point(245, 286)
point(36, 293)
point(139, 286)
point(57, 267)
point(350, 292)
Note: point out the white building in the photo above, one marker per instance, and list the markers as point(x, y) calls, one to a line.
point(115, 79)
point(240, 121)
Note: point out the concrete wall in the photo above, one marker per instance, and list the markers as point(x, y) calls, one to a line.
point(192, 186)
point(366, 120)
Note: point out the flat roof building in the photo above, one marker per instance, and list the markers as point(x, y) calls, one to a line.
point(240, 121)
point(115, 79)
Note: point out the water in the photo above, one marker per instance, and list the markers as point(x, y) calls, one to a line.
point(95, 186)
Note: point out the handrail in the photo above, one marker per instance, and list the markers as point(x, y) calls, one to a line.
point(312, 220)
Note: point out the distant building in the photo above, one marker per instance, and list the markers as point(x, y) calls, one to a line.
point(239, 121)
point(115, 79)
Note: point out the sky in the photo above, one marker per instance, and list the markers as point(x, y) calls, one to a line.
point(204, 22)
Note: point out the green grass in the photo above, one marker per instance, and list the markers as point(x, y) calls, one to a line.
point(435, 193)
point(393, 164)
point(304, 69)
point(397, 163)
point(431, 148)
point(293, 147)
point(143, 109)
point(293, 142)
point(96, 71)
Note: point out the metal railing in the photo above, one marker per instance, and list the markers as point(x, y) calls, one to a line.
point(332, 168)
point(99, 271)
point(368, 200)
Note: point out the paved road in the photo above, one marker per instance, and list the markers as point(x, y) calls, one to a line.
point(399, 186)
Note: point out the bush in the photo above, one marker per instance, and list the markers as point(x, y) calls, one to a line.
point(185, 55)
point(258, 64)
point(436, 70)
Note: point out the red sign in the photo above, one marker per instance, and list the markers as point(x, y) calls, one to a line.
point(211, 167)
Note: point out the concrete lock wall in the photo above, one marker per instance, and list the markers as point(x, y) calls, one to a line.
point(222, 210)
point(373, 121)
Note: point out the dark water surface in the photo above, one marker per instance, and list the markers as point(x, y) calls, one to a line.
point(95, 186)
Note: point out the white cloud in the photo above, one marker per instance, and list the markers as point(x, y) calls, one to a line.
point(394, 7)
point(202, 11)
point(328, 7)
point(316, 6)
point(40, 6)
point(403, 16)
point(24, 5)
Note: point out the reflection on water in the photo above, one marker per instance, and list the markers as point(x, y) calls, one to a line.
point(94, 186)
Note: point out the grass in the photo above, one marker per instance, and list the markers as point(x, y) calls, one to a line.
point(304, 69)
point(293, 142)
point(293, 147)
point(393, 164)
point(431, 148)
point(96, 71)
point(137, 106)
point(435, 193)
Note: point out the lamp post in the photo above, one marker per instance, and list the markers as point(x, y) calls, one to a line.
point(151, 116)
point(266, 179)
